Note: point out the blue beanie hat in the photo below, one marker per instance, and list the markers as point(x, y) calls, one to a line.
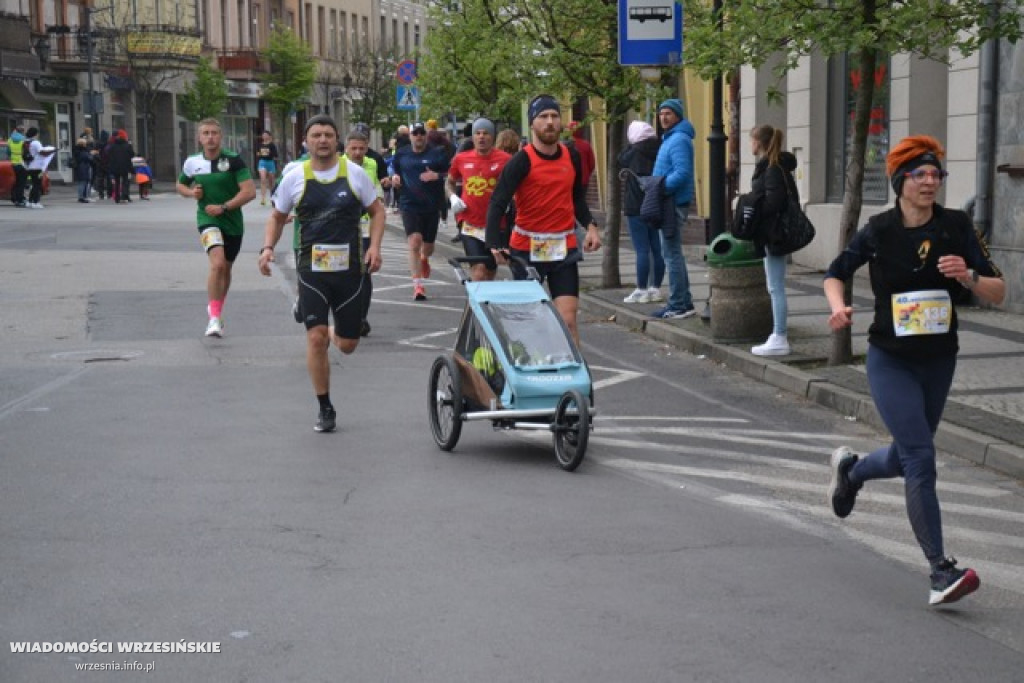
point(539, 104)
point(675, 105)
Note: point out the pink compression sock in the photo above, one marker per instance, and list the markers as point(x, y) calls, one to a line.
point(216, 306)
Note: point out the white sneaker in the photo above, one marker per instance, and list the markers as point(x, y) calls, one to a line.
point(639, 296)
point(37, 205)
point(654, 294)
point(777, 345)
point(215, 328)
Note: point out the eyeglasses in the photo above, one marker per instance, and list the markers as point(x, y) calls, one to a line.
point(918, 175)
point(419, 132)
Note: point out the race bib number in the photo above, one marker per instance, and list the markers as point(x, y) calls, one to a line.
point(364, 226)
point(330, 258)
point(211, 237)
point(474, 231)
point(929, 311)
point(544, 249)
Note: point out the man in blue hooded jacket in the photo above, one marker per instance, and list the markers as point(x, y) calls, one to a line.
point(675, 163)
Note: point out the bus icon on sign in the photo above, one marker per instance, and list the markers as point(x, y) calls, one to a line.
point(643, 14)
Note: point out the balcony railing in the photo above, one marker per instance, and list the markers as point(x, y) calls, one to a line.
point(170, 45)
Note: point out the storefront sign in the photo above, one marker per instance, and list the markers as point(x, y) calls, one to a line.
point(55, 85)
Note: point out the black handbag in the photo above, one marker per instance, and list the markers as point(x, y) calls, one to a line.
point(792, 230)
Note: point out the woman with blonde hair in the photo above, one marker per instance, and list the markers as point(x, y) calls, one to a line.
point(920, 256)
point(773, 180)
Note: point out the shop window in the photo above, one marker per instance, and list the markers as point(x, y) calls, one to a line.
point(843, 86)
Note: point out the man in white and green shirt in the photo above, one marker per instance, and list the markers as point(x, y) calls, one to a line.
point(222, 184)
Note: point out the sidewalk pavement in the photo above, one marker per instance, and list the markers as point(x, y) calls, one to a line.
point(984, 417)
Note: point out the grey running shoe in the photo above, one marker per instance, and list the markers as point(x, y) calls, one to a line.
point(325, 421)
point(949, 584)
point(841, 492)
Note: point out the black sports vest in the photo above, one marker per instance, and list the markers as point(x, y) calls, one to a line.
point(328, 213)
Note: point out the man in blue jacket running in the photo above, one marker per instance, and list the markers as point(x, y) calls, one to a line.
point(675, 162)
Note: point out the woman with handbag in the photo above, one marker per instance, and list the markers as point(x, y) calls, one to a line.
point(637, 161)
point(772, 184)
point(921, 256)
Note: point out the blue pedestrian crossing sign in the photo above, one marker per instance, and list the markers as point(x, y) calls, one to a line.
point(650, 32)
point(407, 97)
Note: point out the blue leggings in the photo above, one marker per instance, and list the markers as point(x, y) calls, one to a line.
point(910, 395)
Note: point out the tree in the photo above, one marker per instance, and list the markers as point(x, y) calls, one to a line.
point(207, 95)
point(292, 73)
point(373, 88)
point(751, 32)
point(518, 49)
point(477, 60)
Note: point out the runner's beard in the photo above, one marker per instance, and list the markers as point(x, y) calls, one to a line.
point(548, 136)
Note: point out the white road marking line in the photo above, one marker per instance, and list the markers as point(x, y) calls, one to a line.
point(675, 418)
point(14, 406)
point(620, 376)
point(807, 487)
point(415, 341)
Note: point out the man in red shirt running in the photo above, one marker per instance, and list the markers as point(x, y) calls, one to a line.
point(546, 180)
point(478, 169)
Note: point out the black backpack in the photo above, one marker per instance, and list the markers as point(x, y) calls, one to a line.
point(26, 156)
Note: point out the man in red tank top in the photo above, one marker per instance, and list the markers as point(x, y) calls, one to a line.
point(546, 181)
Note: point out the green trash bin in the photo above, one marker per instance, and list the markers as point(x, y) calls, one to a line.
point(741, 309)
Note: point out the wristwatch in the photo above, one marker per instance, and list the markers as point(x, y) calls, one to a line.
point(972, 279)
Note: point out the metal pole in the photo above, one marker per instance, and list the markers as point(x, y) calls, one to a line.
point(716, 148)
point(716, 160)
point(91, 97)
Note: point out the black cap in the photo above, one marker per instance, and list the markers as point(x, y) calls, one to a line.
point(418, 127)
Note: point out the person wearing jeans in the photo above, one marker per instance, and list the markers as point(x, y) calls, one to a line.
point(675, 163)
point(637, 161)
point(773, 183)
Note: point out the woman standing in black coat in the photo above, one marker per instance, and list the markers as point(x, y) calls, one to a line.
point(82, 165)
point(773, 180)
point(119, 165)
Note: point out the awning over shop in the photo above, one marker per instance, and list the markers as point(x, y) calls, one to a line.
point(14, 96)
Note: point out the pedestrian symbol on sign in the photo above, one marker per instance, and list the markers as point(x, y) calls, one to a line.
point(407, 97)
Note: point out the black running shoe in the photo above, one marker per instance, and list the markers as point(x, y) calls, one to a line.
point(297, 311)
point(841, 493)
point(325, 420)
point(364, 329)
point(949, 584)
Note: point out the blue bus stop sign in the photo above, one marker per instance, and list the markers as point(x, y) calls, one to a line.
point(650, 32)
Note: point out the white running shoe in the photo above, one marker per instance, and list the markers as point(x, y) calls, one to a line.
point(654, 294)
point(215, 328)
point(36, 205)
point(777, 345)
point(639, 296)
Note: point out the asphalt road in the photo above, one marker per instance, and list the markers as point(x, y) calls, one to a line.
point(160, 487)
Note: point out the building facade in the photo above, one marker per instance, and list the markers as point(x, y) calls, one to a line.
point(122, 64)
point(974, 106)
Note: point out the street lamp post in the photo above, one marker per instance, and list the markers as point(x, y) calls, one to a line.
point(90, 100)
point(716, 159)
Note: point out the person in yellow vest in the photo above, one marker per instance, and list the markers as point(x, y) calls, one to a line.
point(16, 144)
point(357, 146)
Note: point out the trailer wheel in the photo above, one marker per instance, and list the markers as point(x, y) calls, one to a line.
point(571, 430)
point(445, 403)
